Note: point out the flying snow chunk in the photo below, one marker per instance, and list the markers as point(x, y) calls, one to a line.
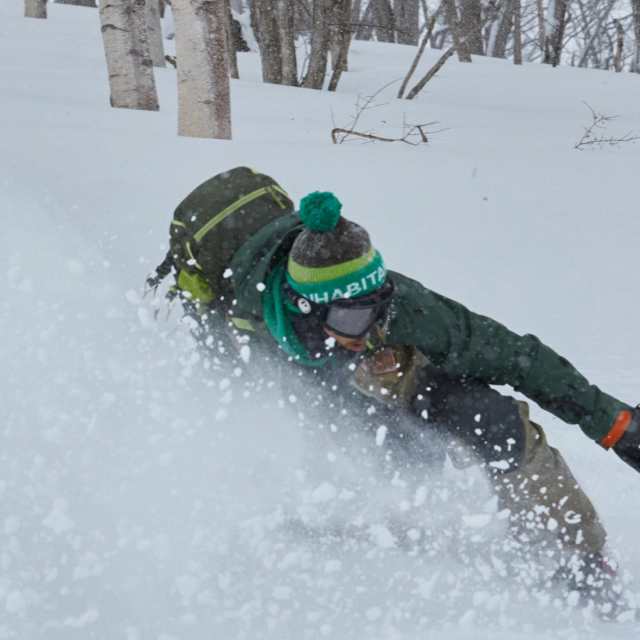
point(58, 520)
point(15, 603)
point(381, 435)
point(373, 613)
point(382, 537)
point(75, 267)
point(261, 286)
point(476, 520)
point(227, 273)
point(132, 297)
point(324, 493)
point(332, 566)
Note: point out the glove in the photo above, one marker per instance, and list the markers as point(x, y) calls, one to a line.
point(628, 447)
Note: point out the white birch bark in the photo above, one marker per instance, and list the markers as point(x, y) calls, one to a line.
point(517, 32)
point(635, 62)
point(204, 101)
point(124, 34)
point(35, 8)
point(154, 32)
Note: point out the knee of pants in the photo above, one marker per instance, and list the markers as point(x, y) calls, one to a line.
point(491, 425)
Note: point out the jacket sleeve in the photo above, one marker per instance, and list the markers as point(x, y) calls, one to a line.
point(465, 344)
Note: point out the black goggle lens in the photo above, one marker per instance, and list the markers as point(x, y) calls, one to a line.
point(351, 322)
point(354, 318)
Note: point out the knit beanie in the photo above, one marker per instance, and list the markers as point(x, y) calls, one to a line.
point(332, 257)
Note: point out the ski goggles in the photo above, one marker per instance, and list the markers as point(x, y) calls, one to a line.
point(354, 317)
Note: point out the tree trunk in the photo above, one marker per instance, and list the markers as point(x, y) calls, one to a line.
point(264, 17)
point(504, 30)
point(554, 42)
point(517, 32)
point(635, 62)
point(154, 33)
point(340, 34)
point(124, 34)
point(204, 101)
point(451, 17)
point(286, 19)
point(542, 28)
point(232, 49)
point(471, 26)
point(407, 20)
point(384, 20)
point(79, 3)
point(365, 28)
point(617, 61)
point(35, 8)
point(319, 53)
point(343, 37)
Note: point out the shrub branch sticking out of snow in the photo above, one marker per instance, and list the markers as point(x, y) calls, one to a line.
point(599, 122)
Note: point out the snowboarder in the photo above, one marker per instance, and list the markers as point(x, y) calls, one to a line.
point(310, 288)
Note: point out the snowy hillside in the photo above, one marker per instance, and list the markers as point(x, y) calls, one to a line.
point(142, 496)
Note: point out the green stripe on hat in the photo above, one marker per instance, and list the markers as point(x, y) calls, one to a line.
point(307, 275)
point(339, 281)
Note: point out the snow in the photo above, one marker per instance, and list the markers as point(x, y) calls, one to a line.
point(144, 497)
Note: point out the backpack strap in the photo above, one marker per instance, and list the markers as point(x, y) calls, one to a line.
point(162, 271)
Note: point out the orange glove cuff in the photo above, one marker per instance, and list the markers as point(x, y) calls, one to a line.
point(619, 428)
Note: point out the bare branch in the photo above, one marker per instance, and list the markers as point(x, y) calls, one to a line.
point(600, 122)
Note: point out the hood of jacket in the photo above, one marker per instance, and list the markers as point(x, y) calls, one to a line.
point(256, 257)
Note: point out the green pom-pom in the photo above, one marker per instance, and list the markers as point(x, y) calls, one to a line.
point(320, 211)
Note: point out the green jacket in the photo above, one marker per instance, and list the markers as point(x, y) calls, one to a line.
point(457, 341)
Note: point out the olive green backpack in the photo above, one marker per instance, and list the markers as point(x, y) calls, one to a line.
point(211, 224)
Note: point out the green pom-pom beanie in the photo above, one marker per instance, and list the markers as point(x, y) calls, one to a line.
point(332, 257)
point(320, 211)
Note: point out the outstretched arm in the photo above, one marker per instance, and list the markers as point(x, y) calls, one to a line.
point(466, 344)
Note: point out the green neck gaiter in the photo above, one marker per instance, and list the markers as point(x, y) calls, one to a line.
point(276, 317)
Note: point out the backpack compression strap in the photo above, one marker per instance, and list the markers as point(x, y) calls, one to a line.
point(162, 271)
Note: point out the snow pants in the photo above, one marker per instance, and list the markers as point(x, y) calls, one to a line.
point(547, 507)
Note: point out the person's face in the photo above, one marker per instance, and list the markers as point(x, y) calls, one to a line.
point(352, 344)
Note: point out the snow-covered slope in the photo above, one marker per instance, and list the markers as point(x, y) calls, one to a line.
point(140, 496)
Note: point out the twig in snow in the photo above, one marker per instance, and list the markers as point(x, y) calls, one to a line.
point(600, 122)
point(414, 135)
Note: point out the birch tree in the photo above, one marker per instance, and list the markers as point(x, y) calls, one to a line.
point(407, 21)
point(517, 32)
point(154, 33)
point(264, 21)
point(286, 20)
point(340, 41)
point(471, 26)
point(35, 9)
point(204, 99)
point(320, 38)
point(635, 63)
point(554, 41)
point(124, 34)
point(384, 20)
point(451, 17)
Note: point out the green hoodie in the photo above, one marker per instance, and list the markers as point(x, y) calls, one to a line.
point(459, 342)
